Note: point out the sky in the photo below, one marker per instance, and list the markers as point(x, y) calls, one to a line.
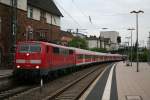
point(112, 14)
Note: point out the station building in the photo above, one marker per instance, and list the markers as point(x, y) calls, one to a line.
point(98, 42)
point(30, 20)
point(113, 36)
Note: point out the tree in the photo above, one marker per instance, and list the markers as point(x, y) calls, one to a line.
point(99, 50)
point(78, 43)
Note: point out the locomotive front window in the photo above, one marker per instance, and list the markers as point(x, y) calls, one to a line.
point(29, 48)
point(23, 48)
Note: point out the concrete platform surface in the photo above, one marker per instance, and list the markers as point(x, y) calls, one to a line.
point(132, 85)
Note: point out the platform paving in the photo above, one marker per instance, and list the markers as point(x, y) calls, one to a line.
point(132, 85)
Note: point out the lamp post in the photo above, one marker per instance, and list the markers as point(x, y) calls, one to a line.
point(131, 29)
point(148, 45)
point(137, 56)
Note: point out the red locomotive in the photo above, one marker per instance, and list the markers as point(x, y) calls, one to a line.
point(36, 58)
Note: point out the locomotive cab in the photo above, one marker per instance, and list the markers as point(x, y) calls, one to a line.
point(28, 59)
point(28, 56)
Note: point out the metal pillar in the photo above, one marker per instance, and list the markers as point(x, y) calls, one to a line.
point(131, 29)
point(137, 42)
point(137, 12)
point(14, 20)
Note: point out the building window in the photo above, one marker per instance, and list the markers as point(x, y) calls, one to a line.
point(42, 35)
point(30, 35)
point(30, 12)
point(0, 25)
point(13, 3)
point(43, 14)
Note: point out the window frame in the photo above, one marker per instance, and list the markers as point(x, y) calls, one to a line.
point(29, 48)
point(30, 12)
point(71, 52)
point(42, 14)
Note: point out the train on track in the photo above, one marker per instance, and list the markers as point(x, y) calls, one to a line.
point(39, 59)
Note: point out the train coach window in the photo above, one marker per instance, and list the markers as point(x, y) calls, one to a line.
point(55, 50)
point(80, 56)
point(23, 48)
point(70, 52)
point(88, 56)
point(64, 52)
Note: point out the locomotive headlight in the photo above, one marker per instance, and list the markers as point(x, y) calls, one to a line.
point(27, 54)
point(37, 67)
point(18, 66)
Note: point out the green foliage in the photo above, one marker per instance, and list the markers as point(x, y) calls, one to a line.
point(143, 55)
point(78, 43)
point(98, 49)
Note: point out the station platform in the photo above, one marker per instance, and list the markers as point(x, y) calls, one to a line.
point(121, 82)
point(132, 84)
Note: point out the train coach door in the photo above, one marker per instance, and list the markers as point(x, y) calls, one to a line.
point(48, 55)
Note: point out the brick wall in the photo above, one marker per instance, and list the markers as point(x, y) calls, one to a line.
point(5, 35)
point(51, 31)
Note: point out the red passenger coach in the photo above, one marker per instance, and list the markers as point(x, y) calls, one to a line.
point(35, 58)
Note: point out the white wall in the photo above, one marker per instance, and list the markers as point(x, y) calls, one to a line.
point(51, 19)
point(48, 18)
point(21, 4)
point(92, 44)
point(113, 37)
point(110, 34)
point(56, 20)
point(36, 14)
point(7, 2)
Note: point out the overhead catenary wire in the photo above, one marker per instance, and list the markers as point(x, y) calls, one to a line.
point(83, 12)
point(69, 15)
point(88, 17)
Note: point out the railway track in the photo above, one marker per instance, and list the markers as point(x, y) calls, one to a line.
point(4, 77)
point(9, 87)
point(75, 89)
point(61, 87)
point(71, 86)
point(12, 92)
point(6, 82)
